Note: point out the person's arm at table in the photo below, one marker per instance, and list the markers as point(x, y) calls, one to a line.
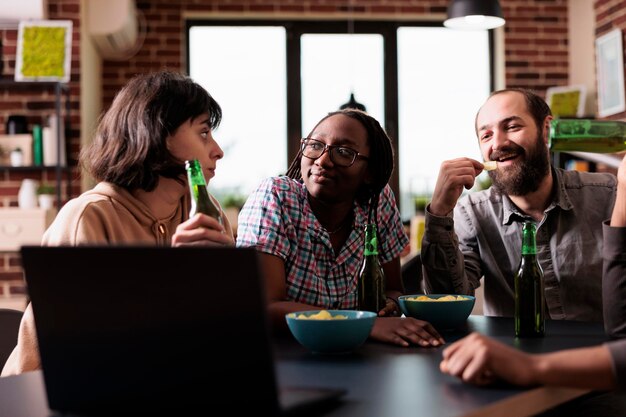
point(397, 330)
point(447, 266)
point(614, 262)
point(25, 356)
point(480, 360)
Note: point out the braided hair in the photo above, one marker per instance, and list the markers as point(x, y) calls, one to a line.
point(380, 162)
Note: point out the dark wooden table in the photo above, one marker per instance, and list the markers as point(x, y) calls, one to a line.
point(385, 380)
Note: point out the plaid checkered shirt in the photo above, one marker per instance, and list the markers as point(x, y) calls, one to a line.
point(277, 219)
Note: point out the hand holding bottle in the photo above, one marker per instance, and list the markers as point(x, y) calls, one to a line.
point(205, 225)
point(201, 229)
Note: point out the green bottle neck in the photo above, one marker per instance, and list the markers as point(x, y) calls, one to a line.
point(371, 241)
point(194, 173)
point(529, 241)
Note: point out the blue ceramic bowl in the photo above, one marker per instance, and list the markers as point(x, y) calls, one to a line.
point(444, 315)
point(331, 336)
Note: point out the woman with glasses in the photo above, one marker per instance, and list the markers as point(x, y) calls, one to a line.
point(308, 226)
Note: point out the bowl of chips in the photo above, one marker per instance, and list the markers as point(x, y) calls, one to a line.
point(331, 331)
point(444, 311)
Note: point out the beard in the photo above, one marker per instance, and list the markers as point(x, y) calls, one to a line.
point(524, 177)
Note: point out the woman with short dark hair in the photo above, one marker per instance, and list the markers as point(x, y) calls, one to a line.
point(155, 123)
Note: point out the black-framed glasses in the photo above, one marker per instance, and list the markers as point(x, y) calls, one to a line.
point(340, 155)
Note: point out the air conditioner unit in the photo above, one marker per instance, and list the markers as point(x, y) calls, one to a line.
point(112, 25)
point(12, 12)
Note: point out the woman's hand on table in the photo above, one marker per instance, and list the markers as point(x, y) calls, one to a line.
point(480, 360)
point(201, 230)
point(404, 331)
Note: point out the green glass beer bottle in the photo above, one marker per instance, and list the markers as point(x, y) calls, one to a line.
point(587, 135)
point(200, 200)
point(529, 298)
point(371, 284)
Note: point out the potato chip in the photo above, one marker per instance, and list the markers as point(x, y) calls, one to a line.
point(444, 298)
point(490, 165)
point(322, 315)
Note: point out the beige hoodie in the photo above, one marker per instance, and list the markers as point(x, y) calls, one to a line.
point(107, 214)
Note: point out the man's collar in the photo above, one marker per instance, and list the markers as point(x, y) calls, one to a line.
point(560, 199)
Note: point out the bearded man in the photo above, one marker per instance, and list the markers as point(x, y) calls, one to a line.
point(481, 234)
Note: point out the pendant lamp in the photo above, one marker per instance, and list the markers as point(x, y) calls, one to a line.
point(474, 14)
point(352, 104)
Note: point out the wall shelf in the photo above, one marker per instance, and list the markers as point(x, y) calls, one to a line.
point(61, 93)
point(31, 168)
point(608, 159)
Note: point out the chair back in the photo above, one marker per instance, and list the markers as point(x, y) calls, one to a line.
point(412, 275)
point(9, 326)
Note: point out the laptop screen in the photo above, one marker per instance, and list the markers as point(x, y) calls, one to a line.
point(149, 329)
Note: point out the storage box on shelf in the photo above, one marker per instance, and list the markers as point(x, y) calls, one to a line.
point(23, 226)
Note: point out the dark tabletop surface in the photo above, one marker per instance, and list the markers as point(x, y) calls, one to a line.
point(381, 379)
point(385, 380)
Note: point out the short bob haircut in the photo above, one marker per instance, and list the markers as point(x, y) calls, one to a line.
point(130, 147)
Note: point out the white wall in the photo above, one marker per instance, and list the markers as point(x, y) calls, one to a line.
point(90, 88)
point(581, 34)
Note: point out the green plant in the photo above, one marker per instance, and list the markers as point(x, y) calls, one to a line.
point(232, 200)
point(482, 183)
point(421, 202)
point(46, 189)
point(43, 51)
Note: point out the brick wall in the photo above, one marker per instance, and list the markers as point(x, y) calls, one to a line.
point(610, 15)
point(535, 46)
point(36, 104)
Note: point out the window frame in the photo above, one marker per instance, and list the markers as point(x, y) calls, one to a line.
point(296, 28)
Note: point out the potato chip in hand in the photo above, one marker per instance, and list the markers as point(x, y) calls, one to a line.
point(490, 165)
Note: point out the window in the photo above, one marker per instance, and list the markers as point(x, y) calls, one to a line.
point(276, 79)
point(438, 97)
point(334, 66)
point(246, 75)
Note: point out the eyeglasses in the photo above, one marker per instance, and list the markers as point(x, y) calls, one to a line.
point(340, 155)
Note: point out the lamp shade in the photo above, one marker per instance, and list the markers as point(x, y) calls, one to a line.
point(352, 104)
point(474, 14)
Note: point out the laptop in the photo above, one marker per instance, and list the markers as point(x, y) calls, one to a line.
point(156, 330)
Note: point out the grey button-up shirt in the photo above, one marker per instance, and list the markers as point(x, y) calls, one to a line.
point(484, 238)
